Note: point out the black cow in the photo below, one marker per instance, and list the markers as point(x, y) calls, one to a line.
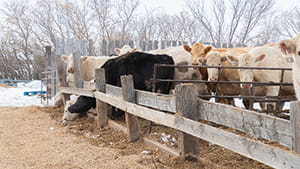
point(141, 67)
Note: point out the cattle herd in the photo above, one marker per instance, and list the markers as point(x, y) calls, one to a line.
point(284, 54)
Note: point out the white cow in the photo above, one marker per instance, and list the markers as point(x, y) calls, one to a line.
point(182, 57)
point(264, 56)
point(88, 66)
point(292, 47)
point(124, 50)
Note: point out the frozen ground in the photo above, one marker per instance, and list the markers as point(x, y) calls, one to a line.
point(15, 96)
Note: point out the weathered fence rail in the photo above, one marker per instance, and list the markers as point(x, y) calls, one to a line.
point(258, 125)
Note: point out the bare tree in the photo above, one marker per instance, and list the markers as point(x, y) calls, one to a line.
point(126, 10)
point(219, 10)
point(237, 8)
point(228, 21)
point(103, 13)
point(19, 23)
point(255, 11)
point(199, 11)
point(290, 23)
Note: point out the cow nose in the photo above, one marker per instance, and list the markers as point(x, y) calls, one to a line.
point(213, 79)
point(246, 85)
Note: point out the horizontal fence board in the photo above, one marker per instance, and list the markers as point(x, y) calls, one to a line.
point(154, 100)
point(77, 91)
point(256, 124)
point(89, 85)
point(266, 154)
point(251, 122)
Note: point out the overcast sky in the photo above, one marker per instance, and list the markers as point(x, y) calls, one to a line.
point(175, 6)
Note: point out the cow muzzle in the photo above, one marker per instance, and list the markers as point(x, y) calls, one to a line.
point(213, 79)
point(246, 85)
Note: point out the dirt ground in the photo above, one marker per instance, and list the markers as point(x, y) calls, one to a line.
point(32, 137)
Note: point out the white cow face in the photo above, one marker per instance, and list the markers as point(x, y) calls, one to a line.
point(292, 47)
point(214, 59)
point(246, 60)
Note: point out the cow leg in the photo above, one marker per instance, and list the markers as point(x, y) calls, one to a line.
point(115, 113)
point(231, 101)
point(272, 91)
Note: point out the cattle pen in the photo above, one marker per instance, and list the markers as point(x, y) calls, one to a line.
point(188, 114)
point(251, 96)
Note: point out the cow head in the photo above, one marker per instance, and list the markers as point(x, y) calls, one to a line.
point(199, 52)
point(291, 46)
point(124, 50)
point(246, 60)
point(214, 59)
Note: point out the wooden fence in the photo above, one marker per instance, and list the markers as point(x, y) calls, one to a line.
point(185, 111)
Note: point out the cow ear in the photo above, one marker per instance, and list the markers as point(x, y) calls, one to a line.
point(187, 48)
point(223, 58)
point(83, 58)
point(287, 46)
point(260, 58)
point(135, 49)
point(231, 58)
point(65, 58)
point(207, 49)
point(117, 51)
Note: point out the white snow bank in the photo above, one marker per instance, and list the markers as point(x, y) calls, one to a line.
point(15, 96)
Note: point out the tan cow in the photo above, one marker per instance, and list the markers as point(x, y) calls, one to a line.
point(199, 53)
point(292, 47)
point(264, 56)
point(215, 59)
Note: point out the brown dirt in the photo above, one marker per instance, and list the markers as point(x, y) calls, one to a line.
point(32, 137)
point(4, 85)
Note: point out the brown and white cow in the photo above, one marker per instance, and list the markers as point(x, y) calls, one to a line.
point(264, 56)
point(198, 57)
point(292, 47)
point(200, 51)
point(224, 74)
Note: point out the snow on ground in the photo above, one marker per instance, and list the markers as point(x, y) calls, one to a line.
point(15, 96)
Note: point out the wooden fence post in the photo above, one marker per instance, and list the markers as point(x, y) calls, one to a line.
point(174, 43)
point(129, 95)
point(102, 108)
point(163, 44)
point(103, 47)
point(90, 47)
point(111, 47)
point(295, 125)
point(186, 105)
point(77, 74)
point(155, 44)
point(61, 67)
